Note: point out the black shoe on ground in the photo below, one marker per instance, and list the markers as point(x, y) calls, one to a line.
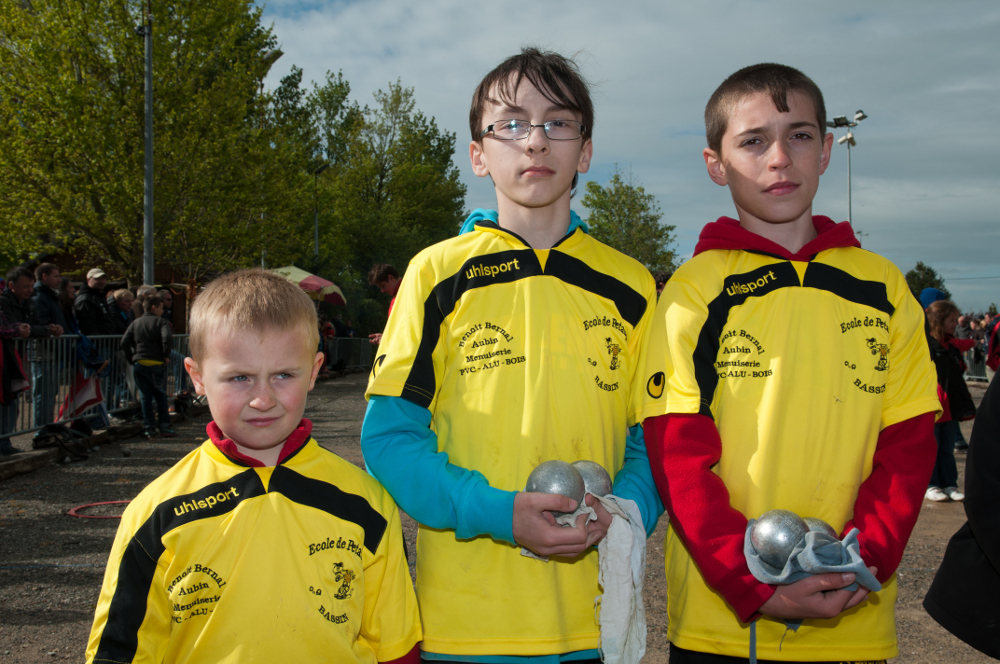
point(168, 433)
point(148, 433)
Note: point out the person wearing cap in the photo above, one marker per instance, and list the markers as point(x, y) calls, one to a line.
point(91, 308)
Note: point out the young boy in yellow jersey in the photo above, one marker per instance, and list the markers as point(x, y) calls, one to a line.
point(786, 368)
point(259, 546)
point(514, 343)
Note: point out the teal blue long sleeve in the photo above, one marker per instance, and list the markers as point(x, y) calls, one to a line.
point(635, 480)
point(401, 452)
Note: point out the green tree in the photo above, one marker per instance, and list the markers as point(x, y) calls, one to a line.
point(624, 216)
point(924, 276)
point(72, 125)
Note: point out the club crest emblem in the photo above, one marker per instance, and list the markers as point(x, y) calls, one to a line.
point(344, 578)
point(613, 350)
point(882, 351)
point(654, 386)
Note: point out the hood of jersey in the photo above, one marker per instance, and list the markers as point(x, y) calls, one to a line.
point(726, 233)
point(480, 214)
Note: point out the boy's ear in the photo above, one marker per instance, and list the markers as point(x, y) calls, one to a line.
point(824, 158)
point(196, 378)
point(586, 154)
point(716, 170)
point(478, 159)
point(317, 365)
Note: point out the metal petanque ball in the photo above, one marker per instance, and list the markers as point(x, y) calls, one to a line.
point(595, 478)
point(557, 477)
point(775, 535)
point(817, 525)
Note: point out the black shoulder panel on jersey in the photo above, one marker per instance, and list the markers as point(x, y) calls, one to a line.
point(844, 285)
point(421, 384)
point(332, 500)
point(630, 303)
point(736, 289)
point(502, 267)
point(120, 638)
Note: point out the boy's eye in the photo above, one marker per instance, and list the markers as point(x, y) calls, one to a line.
point(239, 379)
point(802, 135)
point(751, 142)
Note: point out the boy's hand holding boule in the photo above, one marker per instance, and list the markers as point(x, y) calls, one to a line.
point(535, 527)
point(817, 596)
point(597, 529)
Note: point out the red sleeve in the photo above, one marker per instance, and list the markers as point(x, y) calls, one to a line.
point(412, 657)
point(962, 344)
point(888, 502)
point(682, 450)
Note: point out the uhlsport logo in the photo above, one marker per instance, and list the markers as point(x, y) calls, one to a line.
point(491, 270)
point(882, 351)
point(344, 578)
point(655, 384)
point(750, 286)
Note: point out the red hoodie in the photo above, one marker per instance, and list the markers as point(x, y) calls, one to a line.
point(683, 448)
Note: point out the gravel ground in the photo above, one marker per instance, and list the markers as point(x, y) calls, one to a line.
point(52, 565)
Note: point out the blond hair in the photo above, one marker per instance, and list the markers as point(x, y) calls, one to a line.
point(250, 301)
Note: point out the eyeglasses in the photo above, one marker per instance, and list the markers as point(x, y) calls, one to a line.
point(515, 130)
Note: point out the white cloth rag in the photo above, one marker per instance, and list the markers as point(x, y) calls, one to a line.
point(622, 570)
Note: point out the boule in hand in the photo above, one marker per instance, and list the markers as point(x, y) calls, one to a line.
point(595, 478)
point(557, 477)
point(775, 535)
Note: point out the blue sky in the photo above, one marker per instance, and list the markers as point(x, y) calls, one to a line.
point(925, 172)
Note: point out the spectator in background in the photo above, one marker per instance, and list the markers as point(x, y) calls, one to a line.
point(964, 329)
point(661, 279)
point(67, 294)
point(91, 308)
point(12, 379)
point(120, 303)
point(141, 294)
point(44, 369)
point(147, 344)
point(168, 304)
point(956, 402)
point(386, 278)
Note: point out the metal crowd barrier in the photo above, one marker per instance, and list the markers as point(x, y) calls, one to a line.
point(52, 366)
point(354, 352)
point(976, 370)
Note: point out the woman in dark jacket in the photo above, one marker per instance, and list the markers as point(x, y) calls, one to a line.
point(946, 351)
point(964, 594)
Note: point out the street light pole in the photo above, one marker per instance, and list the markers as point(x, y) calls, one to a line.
point(146, 32)
point(842, 121)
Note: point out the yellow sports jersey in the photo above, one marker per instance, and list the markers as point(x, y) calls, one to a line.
point(218, 562)
point(522, 356)
point(801, 364)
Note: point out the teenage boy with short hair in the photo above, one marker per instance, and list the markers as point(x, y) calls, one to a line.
point(259, 546)
point(512, 344)
point(786, 368)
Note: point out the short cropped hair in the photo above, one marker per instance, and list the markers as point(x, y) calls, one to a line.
point(122, 294)
point(15, 273)
point(250, 301)
point(937, 314)
point(44, 270)
point(150, 302)
point(768, 78)
point(556, 77)
point(381, 272)
point(145, 291)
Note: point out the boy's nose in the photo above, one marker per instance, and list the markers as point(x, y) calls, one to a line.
point(780, 157)
point(536, 141)
point(262, 398)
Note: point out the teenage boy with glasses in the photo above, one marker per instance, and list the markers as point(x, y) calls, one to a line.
point(514, 343)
